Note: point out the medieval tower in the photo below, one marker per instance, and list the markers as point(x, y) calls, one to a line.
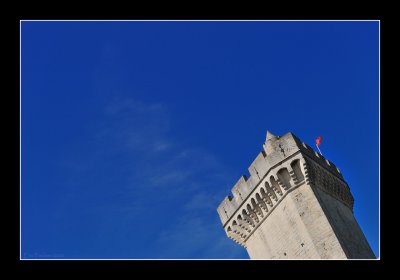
point(295, 205)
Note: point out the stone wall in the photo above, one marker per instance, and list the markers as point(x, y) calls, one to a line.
point(297, 229)
point(295, 204)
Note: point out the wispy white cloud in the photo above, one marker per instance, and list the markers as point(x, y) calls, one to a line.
point(189, 177)
point(169, 178)
point(164, 179)
point(135, 127)
point(201, 201)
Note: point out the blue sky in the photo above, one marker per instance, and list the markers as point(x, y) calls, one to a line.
point(134, 132)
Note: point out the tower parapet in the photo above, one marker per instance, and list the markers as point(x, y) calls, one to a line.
point(284, 164)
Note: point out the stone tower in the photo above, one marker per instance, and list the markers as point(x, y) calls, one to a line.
point(294, 205)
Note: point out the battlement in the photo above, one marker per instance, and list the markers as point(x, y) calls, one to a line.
point(284, 164)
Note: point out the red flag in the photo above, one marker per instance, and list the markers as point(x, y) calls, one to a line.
point(318, 141)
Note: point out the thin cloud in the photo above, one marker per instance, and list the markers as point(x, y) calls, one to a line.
point(202, 201)
point(180, 176)
point(159, 175)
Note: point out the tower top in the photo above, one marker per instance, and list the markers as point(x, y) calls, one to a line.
point(269, 136)
point(278, 152)
point(294, 204)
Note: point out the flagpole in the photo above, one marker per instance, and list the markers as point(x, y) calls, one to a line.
point(318, 149)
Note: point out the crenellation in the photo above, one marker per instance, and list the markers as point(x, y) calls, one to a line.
point(259, 167)
point(276, 149)
point(227, 208)
point(241, 189)
point(253, 181)
point(320, 159)
point(283, 167)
